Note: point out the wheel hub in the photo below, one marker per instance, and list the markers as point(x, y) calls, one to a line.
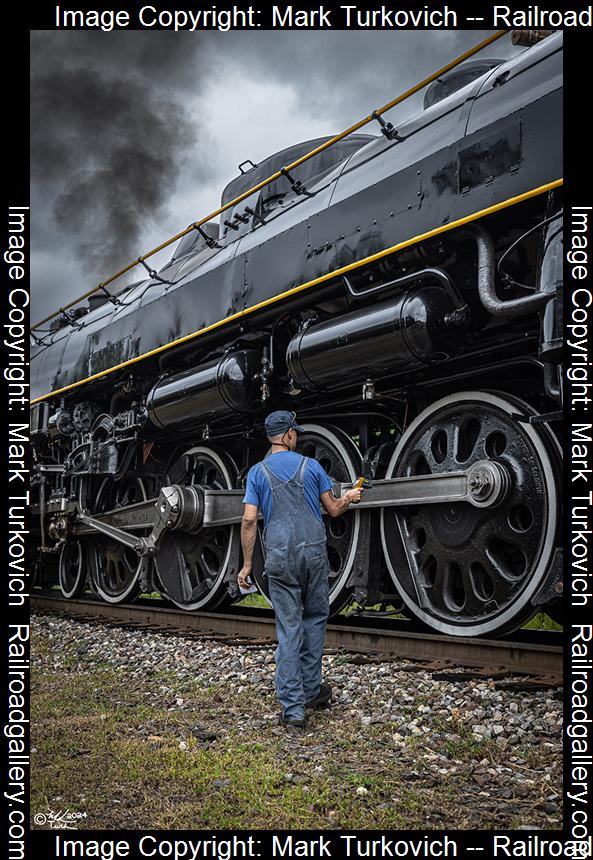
point(454, 524)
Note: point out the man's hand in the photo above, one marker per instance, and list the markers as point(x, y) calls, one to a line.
point(334, 506)
point(243, 576)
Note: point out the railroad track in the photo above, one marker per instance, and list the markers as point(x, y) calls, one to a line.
point(535, 654)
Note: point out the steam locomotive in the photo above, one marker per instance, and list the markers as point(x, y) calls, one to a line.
point(402, 293)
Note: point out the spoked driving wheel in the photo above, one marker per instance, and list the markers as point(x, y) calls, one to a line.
point(192, 568)
point(115, 568)
point(340, 458)
point(72, 569)
point(463, 570)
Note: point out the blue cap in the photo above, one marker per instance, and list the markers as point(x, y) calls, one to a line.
point(281, 421)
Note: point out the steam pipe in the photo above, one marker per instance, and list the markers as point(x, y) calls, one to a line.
point(404, 281)
point(509, 308)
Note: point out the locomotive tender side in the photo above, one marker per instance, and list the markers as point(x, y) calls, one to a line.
point(405, 289)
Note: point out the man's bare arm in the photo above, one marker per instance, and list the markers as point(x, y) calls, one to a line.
point(334, 506)
point(248, 536)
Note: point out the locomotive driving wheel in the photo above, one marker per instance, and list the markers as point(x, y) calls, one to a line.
point(115, 568)
point(191, 569)
point(72, 569)
point(462, 570)
point(340, 458)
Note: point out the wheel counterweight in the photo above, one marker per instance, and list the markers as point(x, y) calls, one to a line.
point(462, 570)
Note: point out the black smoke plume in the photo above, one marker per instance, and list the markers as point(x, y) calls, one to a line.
point(109, 135)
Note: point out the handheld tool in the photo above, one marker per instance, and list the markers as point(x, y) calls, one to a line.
point(364, 482)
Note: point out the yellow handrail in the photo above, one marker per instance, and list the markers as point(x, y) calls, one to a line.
point(372, 117)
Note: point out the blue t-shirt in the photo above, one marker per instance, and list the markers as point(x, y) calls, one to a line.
point(284, 465)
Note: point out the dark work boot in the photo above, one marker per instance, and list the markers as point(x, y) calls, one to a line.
point(322, 698)
point(294, 723)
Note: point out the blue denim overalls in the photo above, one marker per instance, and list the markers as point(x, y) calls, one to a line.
point(297, 568)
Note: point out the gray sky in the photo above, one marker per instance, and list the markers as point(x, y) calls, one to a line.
point(134, 134)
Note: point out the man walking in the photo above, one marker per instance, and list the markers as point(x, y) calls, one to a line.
point(287, 487)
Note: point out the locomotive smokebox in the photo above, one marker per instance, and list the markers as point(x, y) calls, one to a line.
point(220, 387)
point(395, 336)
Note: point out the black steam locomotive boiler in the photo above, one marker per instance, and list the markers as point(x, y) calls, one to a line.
point(402, 293)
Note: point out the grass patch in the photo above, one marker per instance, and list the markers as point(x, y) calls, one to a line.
point(103, 747)
point(541, 621)
point(465, 746)
point(257, 600)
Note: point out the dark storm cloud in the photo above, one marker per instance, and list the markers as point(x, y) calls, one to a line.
point(109, 136)
point(349, 73)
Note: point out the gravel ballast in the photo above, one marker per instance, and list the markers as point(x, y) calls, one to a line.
point(137, 729)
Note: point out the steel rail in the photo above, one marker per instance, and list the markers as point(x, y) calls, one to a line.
point(274, 176)
point(523, 654)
